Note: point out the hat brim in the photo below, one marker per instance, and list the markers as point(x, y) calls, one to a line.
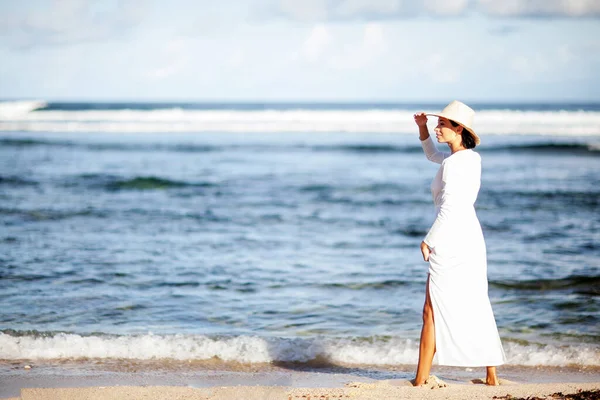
point(471, 131)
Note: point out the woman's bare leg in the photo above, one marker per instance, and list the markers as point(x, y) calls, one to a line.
point(427, 344)
point(491, 377)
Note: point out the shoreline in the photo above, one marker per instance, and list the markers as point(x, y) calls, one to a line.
point(379, 391)
point(203, 379)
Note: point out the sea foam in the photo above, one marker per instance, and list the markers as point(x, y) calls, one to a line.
point(25, 118)
point(255, 349)
point(15, 109)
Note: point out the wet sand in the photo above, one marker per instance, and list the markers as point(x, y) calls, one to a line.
point(119, 379)
point(376, 391)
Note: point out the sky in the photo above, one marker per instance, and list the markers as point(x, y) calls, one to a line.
point(301, 50)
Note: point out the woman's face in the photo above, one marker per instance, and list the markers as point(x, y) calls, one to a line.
point(446, 133)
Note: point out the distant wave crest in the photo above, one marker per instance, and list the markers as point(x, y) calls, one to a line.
point(15, 109)
point(33, 117)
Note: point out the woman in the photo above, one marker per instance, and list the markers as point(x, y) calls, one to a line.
point(458, 322)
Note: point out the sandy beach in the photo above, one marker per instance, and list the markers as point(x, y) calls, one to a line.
point(120, 379)
point(377, 391)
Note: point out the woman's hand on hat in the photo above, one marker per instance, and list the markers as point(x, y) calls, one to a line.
point(420, 119)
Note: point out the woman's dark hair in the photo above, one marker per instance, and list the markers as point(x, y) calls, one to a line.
point(467, 140)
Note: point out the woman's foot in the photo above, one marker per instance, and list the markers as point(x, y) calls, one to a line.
point(415, 383)
point(433, 382)
point(492, 381)
point(491, 378)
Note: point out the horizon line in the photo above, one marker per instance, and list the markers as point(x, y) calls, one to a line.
point(300, 101)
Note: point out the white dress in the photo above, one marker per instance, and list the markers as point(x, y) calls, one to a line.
point(465, 329)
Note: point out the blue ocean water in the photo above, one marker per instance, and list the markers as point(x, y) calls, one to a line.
point(282, 232)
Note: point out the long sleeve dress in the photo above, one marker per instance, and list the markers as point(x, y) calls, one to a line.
point(465, 329)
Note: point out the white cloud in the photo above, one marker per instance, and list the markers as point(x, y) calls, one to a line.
point(565, 54)
point(69, 21)
point(530, 68)
point(373, 36)
point(359, 54)
point(340, 10)
point(351, 8)
point(176, 53)
point(304, 10)
point(317, 43)
point(446, 7)
point(439, 70)
point(65, 22)
point(561, 60)
point(559, 8)
point(544, 65)
point(322, 10)
point(236, 58)
point(577, 8)
point(344, 59)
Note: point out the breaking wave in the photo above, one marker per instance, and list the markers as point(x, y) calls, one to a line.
point(377, 350)
point(33, 117)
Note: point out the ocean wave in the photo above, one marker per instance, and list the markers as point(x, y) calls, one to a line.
point(180, 147)
point(370, 148)
point(376, 350)
point(567, 123)
point(411, 231)
point(26, 142)
point(17, 275)
point(16, 181)
point(12, 109)
point(177, 148)
point(117, 183)
point(46, 214)
point(50, 214)
point(369, 188)
point(579, 283)
point(390, 283)
point(283, 106)
point(533, 200)
point(552, 148)
point(145, 183)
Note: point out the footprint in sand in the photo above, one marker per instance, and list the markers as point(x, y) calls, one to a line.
point(433, 382)
point(378, 384)
point(397, 382)
point(501, 382)
point(362, 385)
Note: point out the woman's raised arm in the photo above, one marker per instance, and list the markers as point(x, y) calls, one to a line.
point(431, 152)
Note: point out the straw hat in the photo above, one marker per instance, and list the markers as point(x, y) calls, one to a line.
point(462, 114)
